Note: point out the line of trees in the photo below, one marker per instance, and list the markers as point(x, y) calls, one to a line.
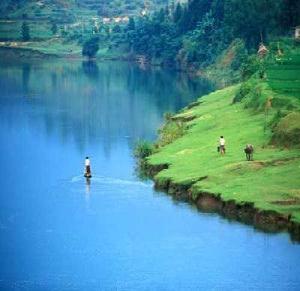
point(194, 34)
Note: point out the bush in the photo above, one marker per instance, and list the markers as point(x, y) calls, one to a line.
point(250, 67)
point(168, 116)
point(243, 91)
point(90, 47)
point(143, 149)
point(171, 131)
point(287, 131)
point(276, 118)
point(240, 54)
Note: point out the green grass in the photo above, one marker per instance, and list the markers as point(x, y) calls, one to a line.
point(49, 47)
point(283, 75)
point(271, 181)
point(11, 30)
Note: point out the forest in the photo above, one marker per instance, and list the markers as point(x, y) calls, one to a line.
point(195, 34)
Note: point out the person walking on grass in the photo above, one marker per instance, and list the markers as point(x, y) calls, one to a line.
point(222, 145)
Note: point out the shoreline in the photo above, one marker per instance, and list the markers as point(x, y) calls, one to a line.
point(31, 53)
point(246, 212)
point(35, 54)
point(268, 221)
point(262, 193)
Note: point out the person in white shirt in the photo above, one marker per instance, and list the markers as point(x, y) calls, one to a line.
point(87, 163)
point(222, 145)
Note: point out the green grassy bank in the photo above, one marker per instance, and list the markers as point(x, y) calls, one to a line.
point(266, 115)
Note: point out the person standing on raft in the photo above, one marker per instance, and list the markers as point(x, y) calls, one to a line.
point(87, 172)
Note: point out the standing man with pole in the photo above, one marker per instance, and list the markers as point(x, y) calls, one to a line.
point(87, 172)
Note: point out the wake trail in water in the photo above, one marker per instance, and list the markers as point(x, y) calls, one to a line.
point(109, 180)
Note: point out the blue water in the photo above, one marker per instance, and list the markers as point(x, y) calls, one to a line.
point(58, 232)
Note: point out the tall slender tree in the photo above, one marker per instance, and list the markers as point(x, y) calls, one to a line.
point(25, 31)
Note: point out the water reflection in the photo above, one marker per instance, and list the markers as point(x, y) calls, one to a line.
point(87, 193)
point(25, 77)
point(90, 69)
point(88, 186)
point(87, 103)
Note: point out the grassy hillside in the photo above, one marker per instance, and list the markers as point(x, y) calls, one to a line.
point(271, 181)
point(75, 21)
point(70, 10)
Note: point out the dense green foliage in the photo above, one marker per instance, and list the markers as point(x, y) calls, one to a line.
point(25, 32)
point(191, 35)
point(194, 34)
point(170, 131)
point(143, 149)
point(90, 47)
point(277, 95)
point(54, 28)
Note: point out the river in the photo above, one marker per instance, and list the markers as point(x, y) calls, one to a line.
point(58, 232)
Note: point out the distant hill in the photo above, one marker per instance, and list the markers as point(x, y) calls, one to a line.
point(69, 10)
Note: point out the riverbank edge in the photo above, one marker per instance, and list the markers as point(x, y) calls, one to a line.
point(13, 53)
point(31, 53)
point(268, 221)
point(16, 53)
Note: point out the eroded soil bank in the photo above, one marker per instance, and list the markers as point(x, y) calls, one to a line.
point(247, 213)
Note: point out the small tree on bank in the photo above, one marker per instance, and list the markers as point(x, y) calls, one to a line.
point(54, 28)
point(25, 31)
point(90, 47)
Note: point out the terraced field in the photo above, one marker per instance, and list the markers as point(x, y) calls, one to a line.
point(284, 75)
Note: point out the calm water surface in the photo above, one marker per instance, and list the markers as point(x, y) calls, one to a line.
point(57, 232)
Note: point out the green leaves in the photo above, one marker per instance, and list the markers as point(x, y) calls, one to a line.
point(90, 47)
point(25, 31)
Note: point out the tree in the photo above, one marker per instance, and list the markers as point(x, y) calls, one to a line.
point(131, 24)
point(290, 13)
point(90, 47)
point(261, 17)
point(54, 28)
point(177, 13)
point(25, 31)
point(116, 29)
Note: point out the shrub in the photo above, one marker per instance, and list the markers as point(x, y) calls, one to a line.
point(143, 149)
point(287, 131)
point(54, 28)
point(243, 91)
point(90, 47)
point(171, 131)
point(276, 118)
point(168, 116)
point(250, 67)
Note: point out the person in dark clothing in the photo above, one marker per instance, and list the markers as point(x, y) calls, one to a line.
point(87, 163)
